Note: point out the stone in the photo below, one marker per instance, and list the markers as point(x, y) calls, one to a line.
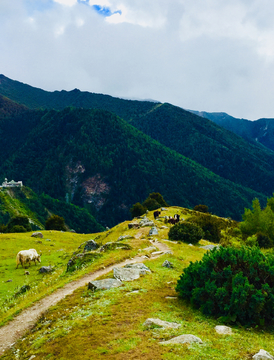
point(128, 274)
point(263, 355)
point(164, 227)
point(91, 245)
point(190, 245)
point(163, 209)
point(45, 269)
point(139, 266)
point(22, 290)
point(182, 339)
point(37, 234)
point(114, 245)
point(10, 280)
point(165, 324)
point(133, 226)
point(104, 284)
point(156, 253)
point(26, 272)
point(223, 330)
point(146, 222)
point(210, 247)
point(167, 264)
point(150, 248)
point(153, 231)
point(123, 237)
point(48, 239)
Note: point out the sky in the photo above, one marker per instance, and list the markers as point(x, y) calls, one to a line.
point(205, 55)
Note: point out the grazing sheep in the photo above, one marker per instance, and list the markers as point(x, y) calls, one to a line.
point(26, 256)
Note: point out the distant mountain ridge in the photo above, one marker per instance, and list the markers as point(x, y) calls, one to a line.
point(92, 152)
point(259, 131)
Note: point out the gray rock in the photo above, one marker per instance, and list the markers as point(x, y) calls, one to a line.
point(133, 226)
point(146, 222)
point(165, 324)
point(223, 330)
point(139, 266)
point(104, 284)
point(10, 280)
point(128, 274)
point(167, 264)
point(153, 231)
point(156, 253)
point(210, 247)
point(123, 237)
point(37, 234)
point(48, 239)
point(163, 209)
point(150, 248)
point(182, 339)
point(190, 245)
point(263, 355)
point(45, 269)
point(91, 245)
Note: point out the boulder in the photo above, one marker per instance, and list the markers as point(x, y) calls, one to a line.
point(123, 237)
point(163, 209)
point(153, 231)
point(133, 226)
point(104, 284)
point(128, 274)
point(165, 324)
point(37, 234)
point(146, 222)
point(22, 290)
point(263, 355)
point(167, 264)
point(182, 339)
point(10, 280)
point(210, 247)
point(139, 266)
point(90, 245)
point(223, 330)
point(45, 269)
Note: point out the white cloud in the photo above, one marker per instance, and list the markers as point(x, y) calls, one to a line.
point(210, 55)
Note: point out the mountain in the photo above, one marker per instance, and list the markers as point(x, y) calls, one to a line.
point(103, 163)
point(257, 132)
point(16, 201)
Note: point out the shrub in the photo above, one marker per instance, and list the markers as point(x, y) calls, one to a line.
point(19, 220)
point(201, 208)
point(55, 222)
point(211, 226)
point(137, 210)
point(17, 229)
point(186, 232)
point(235, 284)
point(151, 204)
point(264, 241)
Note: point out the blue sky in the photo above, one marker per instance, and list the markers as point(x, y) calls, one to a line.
point(206, 55)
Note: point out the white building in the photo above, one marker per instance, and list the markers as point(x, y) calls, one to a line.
point(12, 183)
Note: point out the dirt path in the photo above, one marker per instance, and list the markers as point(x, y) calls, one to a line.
point(16, 328)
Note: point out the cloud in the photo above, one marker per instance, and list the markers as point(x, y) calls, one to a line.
point(210, 55)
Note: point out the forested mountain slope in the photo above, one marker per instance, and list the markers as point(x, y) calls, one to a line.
point(106, 165)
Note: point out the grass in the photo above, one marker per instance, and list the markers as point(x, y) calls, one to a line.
point(109, 324)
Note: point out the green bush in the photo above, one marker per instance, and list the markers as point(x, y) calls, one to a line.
point(211, 226)
point(235, 284)
point(17, 229)
point(201, 208)
point(264, 241)
point(55, 222)
point(16, 221)
point(137, 210)
point(186, 232)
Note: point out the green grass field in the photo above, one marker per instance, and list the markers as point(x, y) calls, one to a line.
point(109, 324)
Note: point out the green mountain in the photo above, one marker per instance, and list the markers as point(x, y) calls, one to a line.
point(260, 132)
point(16, 201)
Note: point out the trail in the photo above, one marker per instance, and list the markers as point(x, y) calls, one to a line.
point(17, 327)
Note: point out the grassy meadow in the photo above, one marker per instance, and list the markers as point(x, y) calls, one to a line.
point(109, 324)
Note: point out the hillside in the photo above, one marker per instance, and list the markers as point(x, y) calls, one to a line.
point(110, 323)
point(107, 165)
point(23, 201)
point(260, 131)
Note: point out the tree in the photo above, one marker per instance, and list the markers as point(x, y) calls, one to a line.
point(201, 208)
point(137, 210)
point(55, 222)
point(19, 220)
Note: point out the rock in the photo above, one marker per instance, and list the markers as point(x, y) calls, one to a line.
point(263, 355)
point(156, 253)
point(146, 222)
point(171, 297)
point(104, 284)
point(10, 280)
point(133, 226)
point(190, 245)
point(37, 234)
point(139, 266)
point(167, 264)
point(128, 274)
point(164, 227)
point(107, 228)
point(91, 245)
point(210, 247)
point(225, 330)
point(165, 324)
point(77, 261)
point(26, 272)
point(114, 245)
point(22, 290)
point(48, 240)
point(153, 231)
point(150, 248)
point(182, 339)
point(123, 237)
point(45, 269)
point(163, 209)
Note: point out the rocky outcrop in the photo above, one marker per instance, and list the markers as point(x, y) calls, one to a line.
point(223, 330)
point(37, 234)
point(263, 355)
point(153, 231)
point(182, 339)
point(91, 245)
point(150, 323)
point(104, 284)
point(130, 272)
point(45, 269)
